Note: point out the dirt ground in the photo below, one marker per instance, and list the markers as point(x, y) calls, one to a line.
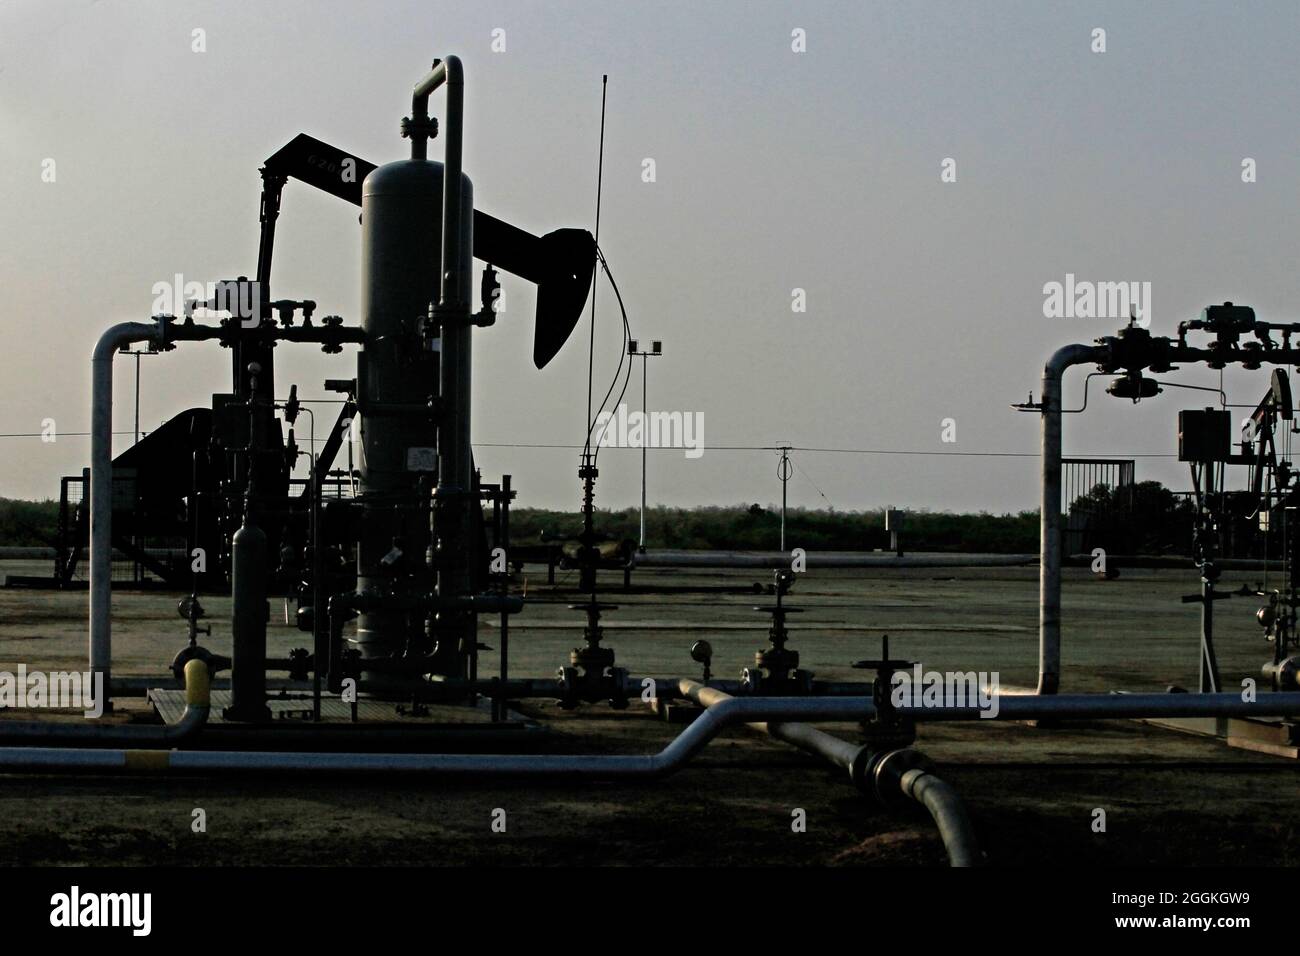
point(1169, 798)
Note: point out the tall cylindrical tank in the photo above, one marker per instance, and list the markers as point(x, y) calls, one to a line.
point(249, 612)
point(398, 383)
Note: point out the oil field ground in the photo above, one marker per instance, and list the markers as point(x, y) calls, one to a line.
point(1170, 798)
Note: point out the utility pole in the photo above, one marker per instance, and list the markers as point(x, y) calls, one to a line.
point(136, 353)
point(656, 348)
point(783, 471)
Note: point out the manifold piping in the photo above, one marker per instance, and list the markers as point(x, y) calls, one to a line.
point(1049, 613)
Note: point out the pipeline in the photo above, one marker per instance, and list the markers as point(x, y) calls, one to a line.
point(101, 487)
point(681, 558)
point(651, 766)
point(718, 715)
point(1049, 538)
point(721, 711)
point(947, 811)
point(892, 777)
point(918, 784)
point(194, 718)
point(101, 473)
point(1111, 707)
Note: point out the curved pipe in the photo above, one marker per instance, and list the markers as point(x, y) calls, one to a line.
point(671, 759)
point(1049, 611)
point(939, 798)
point(101, 475)
point(451, 314)
point(917, 783)
point(947, 811)
point(101, 490)
point(852, 757)
point(450, 73)
point(1049, 539)
point(195, 716)
point(718, 715)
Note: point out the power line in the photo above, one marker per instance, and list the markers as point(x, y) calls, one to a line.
point(802, 448)
point(811, 482)
point(57, 434)
point(838, 451)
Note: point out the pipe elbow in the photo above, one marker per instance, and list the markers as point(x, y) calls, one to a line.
point(949, 814)
point(198, 684)
point(198, 702)
point(124, 333)
point(455, 70)
point(1068, 355)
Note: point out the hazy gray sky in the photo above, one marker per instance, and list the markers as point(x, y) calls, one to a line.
point(774, 170)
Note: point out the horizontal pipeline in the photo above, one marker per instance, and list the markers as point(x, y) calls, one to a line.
point(1113, 707)
point(192, 720)
point(672, 758)
point(682, 558)
point(693, 739)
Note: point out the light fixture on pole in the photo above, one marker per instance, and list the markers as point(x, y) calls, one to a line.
point(656, 348)
point(127, 350)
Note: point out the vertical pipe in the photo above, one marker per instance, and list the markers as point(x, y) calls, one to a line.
point(248, 572)
point(645, 439)
point(505, 590)
point(1209, 668)
point(101, 492)
point(455, 453)
point(319, 635)
point(455, 478)
point(1049, 541)
point(451, 193)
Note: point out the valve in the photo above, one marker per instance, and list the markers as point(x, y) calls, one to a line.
point(332, 322)
point(489, 290)
point(776, 667)
point(1134, 386)
point(300, 664)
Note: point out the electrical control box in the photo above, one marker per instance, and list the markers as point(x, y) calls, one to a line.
point(1204, 434)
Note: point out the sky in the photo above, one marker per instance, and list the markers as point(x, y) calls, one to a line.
point(795, 146)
